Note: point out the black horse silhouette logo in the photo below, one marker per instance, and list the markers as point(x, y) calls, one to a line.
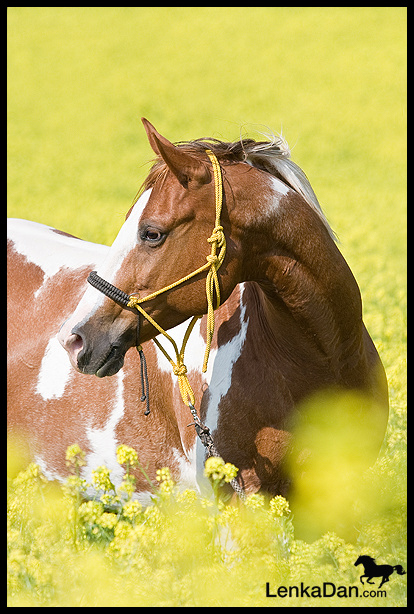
point(372, 570)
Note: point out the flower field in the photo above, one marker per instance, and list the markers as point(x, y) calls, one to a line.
point(334, 81)
point(182, 550)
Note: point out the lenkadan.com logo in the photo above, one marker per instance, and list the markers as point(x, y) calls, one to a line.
point(329, 589)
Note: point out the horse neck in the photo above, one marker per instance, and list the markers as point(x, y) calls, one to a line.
point(307, 290)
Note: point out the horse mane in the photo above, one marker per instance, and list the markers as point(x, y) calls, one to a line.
point(272, 156)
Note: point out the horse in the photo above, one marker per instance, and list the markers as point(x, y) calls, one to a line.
point(372, 570)
point(282, 320)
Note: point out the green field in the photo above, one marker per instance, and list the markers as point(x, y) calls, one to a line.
point(334, 81)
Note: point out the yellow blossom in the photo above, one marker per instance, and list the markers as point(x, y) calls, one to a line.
point(255, 501)
point(107, 520)
point(75, 456)
point(127, 456)
point(163, 474)
point(101, 479)
point(131, 509)
point(279, 506)
point(90, 511)
point(127, 486)
point(167, 483)
point(217, 470)
point(108, 499)
point(31, 473)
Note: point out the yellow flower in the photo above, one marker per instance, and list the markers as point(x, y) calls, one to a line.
point(127, 456)
point(230, 472)
point(217, 470)
point(127, 486)
point(131, 509)
point(107, 520)
point(108, 499)
point(75, 485)
point(187, 497)
point(75, 456)
point(31, 473)
point(90, 511)
point(163, 474)
point(167, 483)
point(255, 501)
point(101, 479)
point(123, 530)
point(279, 506)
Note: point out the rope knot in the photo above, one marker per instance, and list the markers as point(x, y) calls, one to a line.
point(212, 259)
point(217, 236)
point(133, 301)
point(180, 370)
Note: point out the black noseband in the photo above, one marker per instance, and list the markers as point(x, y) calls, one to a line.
point(112, 292)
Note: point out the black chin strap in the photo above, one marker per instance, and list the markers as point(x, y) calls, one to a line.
point(122, 299)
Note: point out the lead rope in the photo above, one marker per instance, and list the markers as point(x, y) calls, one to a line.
point(214, 262)
point(206, 439)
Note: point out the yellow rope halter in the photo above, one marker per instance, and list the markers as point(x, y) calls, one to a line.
point(214, 262)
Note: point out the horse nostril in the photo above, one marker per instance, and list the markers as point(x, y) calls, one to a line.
point(73, 344)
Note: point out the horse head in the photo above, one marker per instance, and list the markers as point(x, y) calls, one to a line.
point(163, 239)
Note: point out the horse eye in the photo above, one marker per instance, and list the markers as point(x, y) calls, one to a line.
point(152, 235)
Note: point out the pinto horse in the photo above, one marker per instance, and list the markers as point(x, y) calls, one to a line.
point(288, 323)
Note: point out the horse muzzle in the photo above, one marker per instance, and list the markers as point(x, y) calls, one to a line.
point(98, 355)
point(107, 363)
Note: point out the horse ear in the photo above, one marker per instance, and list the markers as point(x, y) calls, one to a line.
point(190, 172)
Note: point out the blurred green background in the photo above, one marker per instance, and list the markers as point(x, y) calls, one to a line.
point(333, 79)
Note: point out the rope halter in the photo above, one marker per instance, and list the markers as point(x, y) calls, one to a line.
point(214, 262)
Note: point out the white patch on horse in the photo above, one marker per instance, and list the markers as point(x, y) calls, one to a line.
point(55, 371)
point(48, 473)
point(187, 468)
point(51, 250)
point(103, 440)
point(279, 187)
point(125, 241)
point(194, 351)
point(193, 360)
point(218, 377)
point(222, 366)
point(270, 201)
point(219, 385)
point(104, 445)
